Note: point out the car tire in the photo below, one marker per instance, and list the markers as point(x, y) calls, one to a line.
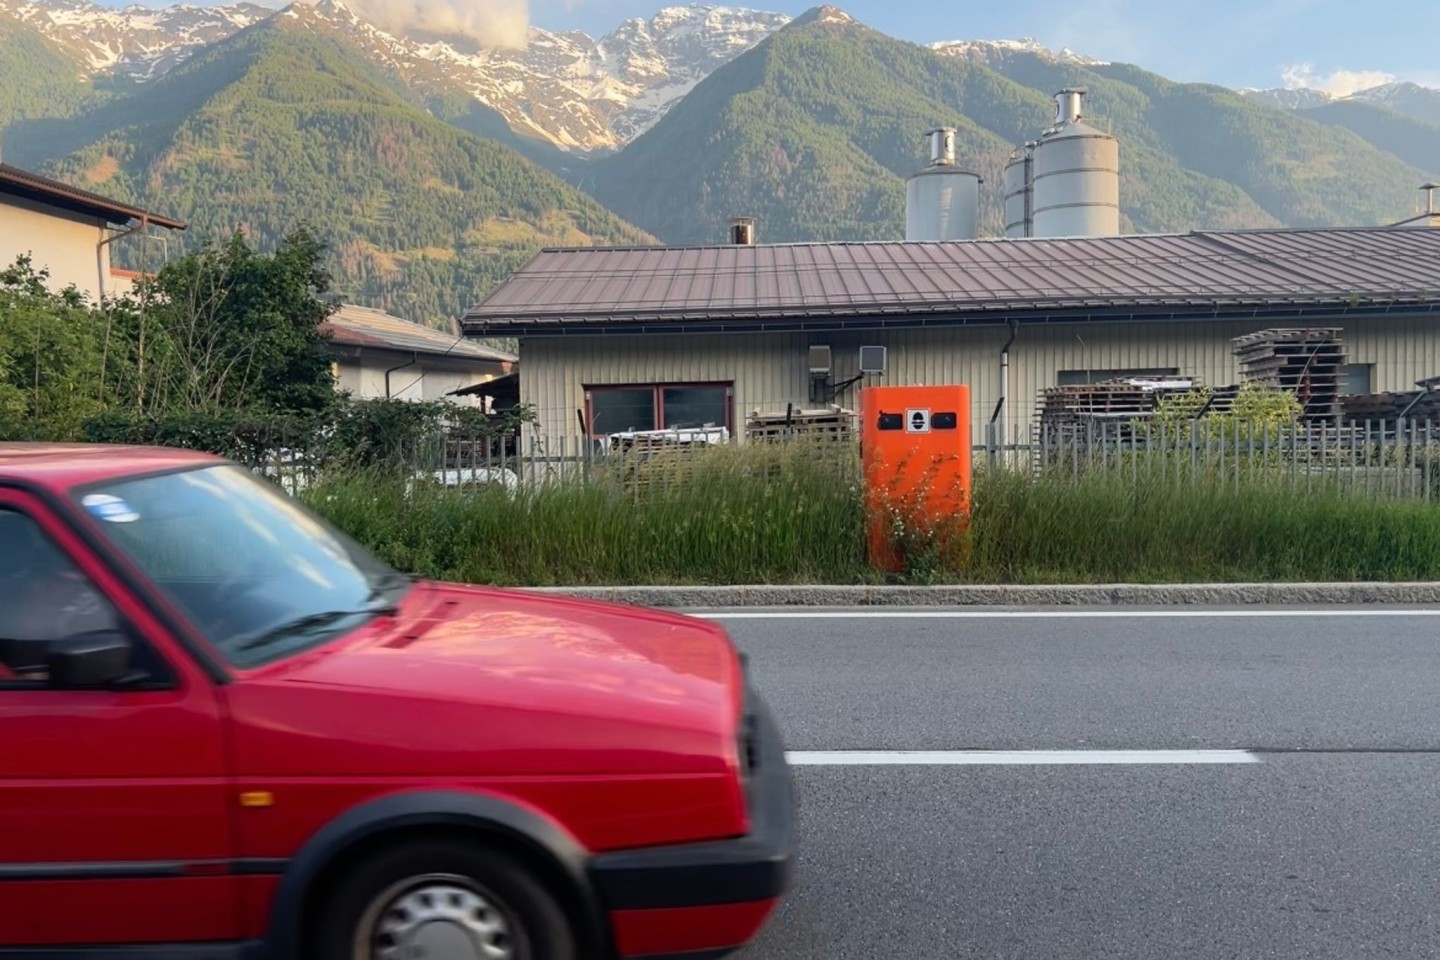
point(446, 898)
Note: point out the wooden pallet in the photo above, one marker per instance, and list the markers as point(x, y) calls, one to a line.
point(828, 423)
point(1422, 406)
point(1305, 361)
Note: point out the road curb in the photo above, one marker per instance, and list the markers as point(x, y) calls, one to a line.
point(1117, 594)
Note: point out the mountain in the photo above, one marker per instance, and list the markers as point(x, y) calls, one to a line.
point(285, 122)
point(435, 167)
point(994, 52)
point(1407, 99)
point(568, 89)
point(1287, 98)
point(136, 42)
point(814, 130)
point(1414, 141)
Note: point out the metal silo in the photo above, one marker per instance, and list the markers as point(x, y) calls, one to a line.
point(1076, 176)
point(1018, 174)
point(942, 201)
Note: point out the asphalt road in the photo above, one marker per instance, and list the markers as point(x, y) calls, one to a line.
point(1328, 846)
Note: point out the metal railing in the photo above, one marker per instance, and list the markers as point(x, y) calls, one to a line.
point(1375, 459)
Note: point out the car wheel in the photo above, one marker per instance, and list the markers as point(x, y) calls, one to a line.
point(434, 900)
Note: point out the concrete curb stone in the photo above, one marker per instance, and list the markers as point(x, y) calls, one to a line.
point(1026, 595)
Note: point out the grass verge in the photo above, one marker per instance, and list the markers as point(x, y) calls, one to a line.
point(794, 514)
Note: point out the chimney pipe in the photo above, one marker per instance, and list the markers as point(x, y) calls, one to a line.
point(1067, 105)
point(742, 231)
point(1429, 190)
point(942, 147)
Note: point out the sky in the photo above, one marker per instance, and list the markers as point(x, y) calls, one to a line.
point(1338, 45)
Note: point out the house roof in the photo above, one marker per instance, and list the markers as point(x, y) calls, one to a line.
point(355, 326)
point(811, 285)
point(32, 186)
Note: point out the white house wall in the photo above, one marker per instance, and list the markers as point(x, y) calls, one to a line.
point(65, 243)
point(366, 380)
point(771, 370)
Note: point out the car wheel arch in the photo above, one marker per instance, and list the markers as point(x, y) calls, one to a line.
point(534, 839)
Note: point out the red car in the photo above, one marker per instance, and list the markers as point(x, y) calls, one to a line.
point(230, 732)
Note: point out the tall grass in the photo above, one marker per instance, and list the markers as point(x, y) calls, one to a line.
point(795, 514)
point(775, 514)
point(1105, 529)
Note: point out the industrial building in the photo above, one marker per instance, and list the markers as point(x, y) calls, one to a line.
point(740, 335)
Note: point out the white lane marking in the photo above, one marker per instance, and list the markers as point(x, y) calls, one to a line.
point(1053, 614)
point(962, 758)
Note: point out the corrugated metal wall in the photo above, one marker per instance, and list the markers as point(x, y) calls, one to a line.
point(771, 370)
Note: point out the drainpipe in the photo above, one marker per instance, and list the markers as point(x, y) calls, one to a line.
point(141, 225)
point(414, 359)
point(1004, 387)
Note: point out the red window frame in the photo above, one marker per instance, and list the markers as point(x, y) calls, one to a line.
point(659, 395)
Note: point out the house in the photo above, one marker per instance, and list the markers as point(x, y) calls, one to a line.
point(69, 231)
point(616, 339)
point(376, 355)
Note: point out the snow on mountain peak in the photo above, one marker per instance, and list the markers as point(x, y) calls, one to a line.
point(990, 51)
point(134, 41)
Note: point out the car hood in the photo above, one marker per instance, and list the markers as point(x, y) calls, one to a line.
point(556, 676)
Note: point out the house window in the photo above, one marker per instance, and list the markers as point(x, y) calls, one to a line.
point(662, 406)
point(1357, 378)
point(1069, 378)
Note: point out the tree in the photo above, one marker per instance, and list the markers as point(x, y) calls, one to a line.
point(51, 355)
point(225, 328)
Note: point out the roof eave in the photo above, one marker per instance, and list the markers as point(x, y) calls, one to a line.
point(57, 194)
point(831, 319)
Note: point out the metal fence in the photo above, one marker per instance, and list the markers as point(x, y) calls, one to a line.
point(646, 462)
point(1378, 459)
point(1375, 459)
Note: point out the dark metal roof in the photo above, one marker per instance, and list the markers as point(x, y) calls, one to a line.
point(32, 186)
point(794, 286)
point(354, 326)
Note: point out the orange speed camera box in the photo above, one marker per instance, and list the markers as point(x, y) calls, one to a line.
point(915, 447)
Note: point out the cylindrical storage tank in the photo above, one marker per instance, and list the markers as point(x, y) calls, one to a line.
point(1076, 184)
point(1017, 197)
point(942, 203)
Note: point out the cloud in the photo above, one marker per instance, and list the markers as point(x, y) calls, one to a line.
point(491, 23)
point(1338, 83)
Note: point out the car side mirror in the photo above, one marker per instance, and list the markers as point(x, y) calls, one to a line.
point(90, 660)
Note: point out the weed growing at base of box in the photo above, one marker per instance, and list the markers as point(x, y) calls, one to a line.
point(794, 513)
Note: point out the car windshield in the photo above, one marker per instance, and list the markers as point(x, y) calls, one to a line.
point(256, 572)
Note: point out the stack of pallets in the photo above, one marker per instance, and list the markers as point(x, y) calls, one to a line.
point(1110, 400)
point(1079, 415)
point(828, 423)
point(1417, 406)
point(1306, 362)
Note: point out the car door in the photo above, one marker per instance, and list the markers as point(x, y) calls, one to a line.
point(113, 814)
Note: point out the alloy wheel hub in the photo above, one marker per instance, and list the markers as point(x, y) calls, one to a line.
point(441, 921)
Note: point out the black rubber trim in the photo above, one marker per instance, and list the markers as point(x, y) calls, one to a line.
point(459, 811)
point(80, 524)
point(755, 867)
point(156, 951)
point(139, 870)
point(692, 955)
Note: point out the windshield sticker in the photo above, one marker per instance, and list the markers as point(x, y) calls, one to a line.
point(111, 509)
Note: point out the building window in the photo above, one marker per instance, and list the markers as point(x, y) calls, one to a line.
point(1356, 379)
point(1070, 378)
point(662, 406)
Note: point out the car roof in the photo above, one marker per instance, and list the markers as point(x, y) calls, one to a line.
point(65, 465)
